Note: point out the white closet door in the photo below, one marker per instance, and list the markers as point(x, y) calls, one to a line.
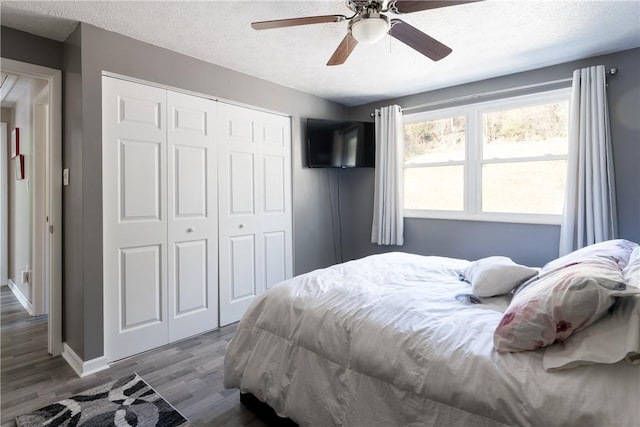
point(193, 216)
point(134, 217)
point(254, 169)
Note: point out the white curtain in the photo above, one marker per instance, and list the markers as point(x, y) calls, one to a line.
point(590, 204)
point(388, 222)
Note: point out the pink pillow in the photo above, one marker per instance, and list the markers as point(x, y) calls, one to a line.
point(618, 250)
point(557, 303)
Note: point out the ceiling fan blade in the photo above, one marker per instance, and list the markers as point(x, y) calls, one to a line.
point(343, 51)
point(292, 22)
point(416, 39)
point(402, 6)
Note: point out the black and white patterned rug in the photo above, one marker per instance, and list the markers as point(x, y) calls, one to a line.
point(129, 401)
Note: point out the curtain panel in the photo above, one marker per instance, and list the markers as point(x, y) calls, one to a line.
point(388, 221)
point(590, 205)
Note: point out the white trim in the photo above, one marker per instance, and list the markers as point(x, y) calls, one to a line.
point(488, 106)
point(478, 96)
point(23, 300)
point(528, 159)
point(485, 217)
point(445, 113)
point(38, 278)
point(54, 78)
point(434, 164)
point(7, 85)
point(80, 367)
point(472, 168)
point(55, 212)
point(4, 206)
point(527, 100)
point(192, 93)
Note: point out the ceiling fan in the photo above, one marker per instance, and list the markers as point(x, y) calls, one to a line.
point(369, 24)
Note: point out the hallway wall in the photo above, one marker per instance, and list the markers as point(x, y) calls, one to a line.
point(20, 192)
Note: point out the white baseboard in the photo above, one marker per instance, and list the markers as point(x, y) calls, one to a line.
point(82, 368)
point(24, 301)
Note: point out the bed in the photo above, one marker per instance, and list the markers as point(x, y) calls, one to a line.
point(396, 340)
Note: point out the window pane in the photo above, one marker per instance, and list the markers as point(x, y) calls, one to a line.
point(530, 187)
point(434, 188)
point(529, 131)
point(434, 141)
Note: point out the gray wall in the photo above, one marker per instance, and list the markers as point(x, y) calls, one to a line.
point(30, 48)
point(102, 50)
point(528, 244)
point(73, 306)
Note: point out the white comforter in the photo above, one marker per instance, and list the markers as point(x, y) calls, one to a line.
point(382, 341)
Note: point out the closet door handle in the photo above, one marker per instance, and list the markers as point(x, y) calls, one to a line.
point(241, 226)
point(190, 230)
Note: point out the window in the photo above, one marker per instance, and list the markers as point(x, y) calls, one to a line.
point(502, 160)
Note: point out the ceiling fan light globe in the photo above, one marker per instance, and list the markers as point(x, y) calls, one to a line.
point(370, 30)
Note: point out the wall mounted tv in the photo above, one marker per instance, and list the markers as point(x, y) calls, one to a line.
point(340, 144)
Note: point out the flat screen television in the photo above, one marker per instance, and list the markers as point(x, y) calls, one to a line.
point(340, 144)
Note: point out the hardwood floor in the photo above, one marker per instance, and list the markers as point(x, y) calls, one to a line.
point(188, 373)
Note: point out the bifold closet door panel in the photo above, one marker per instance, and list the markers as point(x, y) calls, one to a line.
point(193, 216)
point(254, 212)
point(197, 213)
point(274, 136)
point(134, 217)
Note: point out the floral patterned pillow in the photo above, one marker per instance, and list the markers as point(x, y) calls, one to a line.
point(611, 339)
point(557, 303)
point(618, 250)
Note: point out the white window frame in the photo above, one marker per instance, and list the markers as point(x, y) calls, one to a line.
point(473, 157)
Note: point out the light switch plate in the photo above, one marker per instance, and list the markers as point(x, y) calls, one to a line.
point(65, 176)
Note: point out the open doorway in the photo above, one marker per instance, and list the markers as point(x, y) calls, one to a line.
point(32, 194)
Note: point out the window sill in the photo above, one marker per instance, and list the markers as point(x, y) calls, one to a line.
point(485, 217)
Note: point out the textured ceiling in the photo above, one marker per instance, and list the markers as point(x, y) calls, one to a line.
point(489, 39)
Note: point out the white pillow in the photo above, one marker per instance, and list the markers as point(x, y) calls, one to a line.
point(631, 272)
point(611, 339)
point(496, 275)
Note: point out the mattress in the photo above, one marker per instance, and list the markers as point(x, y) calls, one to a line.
point(384, 341)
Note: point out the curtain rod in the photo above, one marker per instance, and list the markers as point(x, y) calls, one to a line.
point(610, 72)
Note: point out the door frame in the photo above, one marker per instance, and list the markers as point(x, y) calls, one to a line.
point(52, 192)
point(4, 191)
point(40, 248)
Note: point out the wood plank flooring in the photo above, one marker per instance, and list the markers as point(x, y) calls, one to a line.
point(188, 374)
